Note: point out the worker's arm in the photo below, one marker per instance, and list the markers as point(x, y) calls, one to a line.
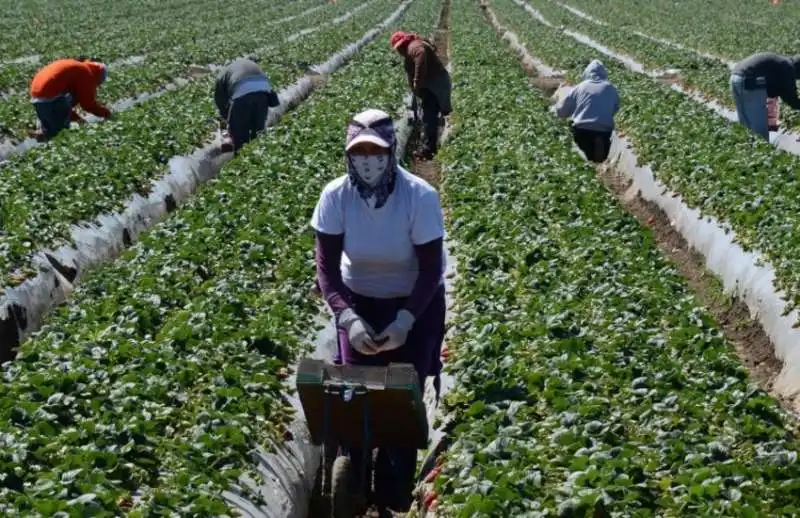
point(221, 98)
point(430, 260)
point(427, 234)
point(86, 95)
point(788, 90)
point(566, 107)
point(329, 249)
point(418, 54)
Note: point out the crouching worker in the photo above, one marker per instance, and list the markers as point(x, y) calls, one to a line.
point(428, 80)
point(60, 86)
point(592, 106)
point(759, 77)
point(243, 96)
point(380, 265)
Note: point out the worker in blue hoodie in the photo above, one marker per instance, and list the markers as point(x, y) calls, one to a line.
point(592, 106)
point(758, 77)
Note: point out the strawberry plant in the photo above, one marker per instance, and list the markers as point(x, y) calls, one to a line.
point(588, 380)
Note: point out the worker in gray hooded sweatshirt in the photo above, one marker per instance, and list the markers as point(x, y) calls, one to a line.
point(243, 96)
point(758, 77)
point(592, 106)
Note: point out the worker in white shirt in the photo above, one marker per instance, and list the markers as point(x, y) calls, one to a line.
point(380, 266)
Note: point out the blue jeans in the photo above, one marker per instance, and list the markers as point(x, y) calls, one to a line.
point(751, 107)
point(54, 115)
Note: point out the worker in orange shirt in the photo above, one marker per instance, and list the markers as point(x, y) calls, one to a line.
point(62, 85)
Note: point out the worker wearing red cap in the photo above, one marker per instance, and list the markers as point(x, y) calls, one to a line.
point(60, 86)
point(429, 80)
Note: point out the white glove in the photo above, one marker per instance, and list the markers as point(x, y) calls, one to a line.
point(359, 332)
point(397, 332)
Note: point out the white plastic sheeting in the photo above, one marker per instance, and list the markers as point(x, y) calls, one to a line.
point(9, 148)
point(102, 240)
point(22, 60)
point(746, 275)
point(669, 43)
point(534, 12)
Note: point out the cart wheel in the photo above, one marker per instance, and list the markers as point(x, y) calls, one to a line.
point(340, 488)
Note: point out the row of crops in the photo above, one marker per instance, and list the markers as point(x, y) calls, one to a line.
point(587, 379)
point(713, 164)
point(148, 392)
point(97, 169)
point(259, 36)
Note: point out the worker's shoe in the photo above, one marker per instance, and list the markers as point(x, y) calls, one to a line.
point(38, 135)
point(424, 154)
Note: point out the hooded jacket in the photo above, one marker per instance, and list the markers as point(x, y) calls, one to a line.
point(79, 79)
point(593, 103)
point(774, 72)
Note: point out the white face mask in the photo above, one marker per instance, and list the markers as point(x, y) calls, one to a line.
point(369, 168)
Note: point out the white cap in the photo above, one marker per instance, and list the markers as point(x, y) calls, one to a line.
point(366, 119)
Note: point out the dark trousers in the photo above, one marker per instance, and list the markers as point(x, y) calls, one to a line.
point(430, 121)
point(54, 116)
point(596, 145)
point(394, 471)
point(247, 118)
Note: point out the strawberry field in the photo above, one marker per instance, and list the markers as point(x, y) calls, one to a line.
point(588, 378)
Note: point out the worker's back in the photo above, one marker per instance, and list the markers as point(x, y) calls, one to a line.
point(596, 100)
point(62, 76)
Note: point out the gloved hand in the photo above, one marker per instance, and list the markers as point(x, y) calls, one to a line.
point(359, 332)
point(397, 332)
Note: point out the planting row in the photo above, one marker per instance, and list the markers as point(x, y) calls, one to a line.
point(731, 28)
point(160, 68)
point(714, 164)
point(96, 169)
point(587, 379)
point(697, 72)
point(149, 391)
point(36, 32)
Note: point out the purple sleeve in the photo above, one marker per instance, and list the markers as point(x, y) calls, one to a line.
point(329, 249)
point(430, 260)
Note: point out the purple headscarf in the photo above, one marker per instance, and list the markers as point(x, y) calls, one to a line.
point(377, 127)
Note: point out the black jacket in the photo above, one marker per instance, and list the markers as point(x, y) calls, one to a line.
point(232, 74)
point(774, 72)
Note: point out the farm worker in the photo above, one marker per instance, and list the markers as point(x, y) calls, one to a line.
point(428, 80)
point(60, 86)
point(592, 106)
point(244, 95)
point(759, 77)
point(380, 266)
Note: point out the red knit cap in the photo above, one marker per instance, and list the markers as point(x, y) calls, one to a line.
point(400, 39)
